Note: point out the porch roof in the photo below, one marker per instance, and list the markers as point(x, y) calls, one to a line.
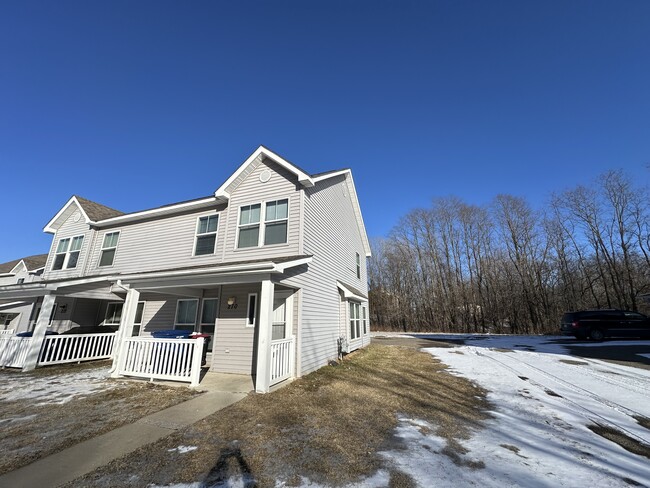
point(189, 275)
point(351, 292)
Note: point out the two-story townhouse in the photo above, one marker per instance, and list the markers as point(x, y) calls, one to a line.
point(274, 256)
point(16, 315)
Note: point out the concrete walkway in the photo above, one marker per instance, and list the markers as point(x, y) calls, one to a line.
point(67, 465)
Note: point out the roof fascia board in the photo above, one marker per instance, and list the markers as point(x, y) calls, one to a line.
point(264, 267)
point(153, 212)
point(14, 270)
point(304, 179)
point(357, 211)
point(331, 175)
point(50, 226)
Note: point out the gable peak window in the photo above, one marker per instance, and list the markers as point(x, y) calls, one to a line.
point(67, 253)
point(109, 246)
point(206, 235)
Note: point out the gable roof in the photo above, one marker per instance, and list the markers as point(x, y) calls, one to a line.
point(31, 263)
point(91, 212)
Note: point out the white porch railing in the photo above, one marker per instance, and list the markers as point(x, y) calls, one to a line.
point(7, 332)
point(60, 349)
point(13, 351)
point(165, 359)
point(281, 360)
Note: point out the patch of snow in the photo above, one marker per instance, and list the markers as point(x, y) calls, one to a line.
point(644, 355)
point(535, 438)
point(59, 389)
point(183, 449)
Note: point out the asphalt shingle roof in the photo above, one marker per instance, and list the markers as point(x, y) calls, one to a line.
point(32, 262)
point(97, 211)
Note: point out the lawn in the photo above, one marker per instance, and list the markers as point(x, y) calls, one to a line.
point(52, 408)
point(329, 427)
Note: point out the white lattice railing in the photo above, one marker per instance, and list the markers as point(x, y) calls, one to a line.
point(165, 359)
point(7, 332)
point(13, 351)
point(281, 360)
point(59, 349)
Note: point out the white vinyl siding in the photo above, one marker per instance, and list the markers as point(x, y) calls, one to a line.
point(109, 247)
point(69, 229)
point(206, 235)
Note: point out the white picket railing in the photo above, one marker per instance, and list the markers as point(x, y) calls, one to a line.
point(281, 360)
point(165, 359)
point(73, 348)
point(7, 332)
point(13, 351)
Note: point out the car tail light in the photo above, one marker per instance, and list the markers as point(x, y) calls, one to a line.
point(575, 324)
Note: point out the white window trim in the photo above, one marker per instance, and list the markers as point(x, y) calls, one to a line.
point(248, 307)
point(364, 319)
point(67, 252)
point(195, 312)
point(262, 224)
point(357, 321)
point(215, 299)
point(106, 313)
point(102, 249)
point(196, 235)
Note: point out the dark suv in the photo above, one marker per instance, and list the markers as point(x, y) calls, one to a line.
point(599, 324)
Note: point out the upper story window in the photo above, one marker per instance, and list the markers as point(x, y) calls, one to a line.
point(276, 218)
point(206, 235)
point(254, 232)
point(249, 226)
point(67, 253)
point(109, 246)
point(358, 266)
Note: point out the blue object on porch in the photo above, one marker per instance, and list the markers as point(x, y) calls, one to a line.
point(171, 334)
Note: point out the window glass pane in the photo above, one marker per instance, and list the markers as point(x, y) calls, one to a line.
point(76, 243)
point(212, 223)
point(63, 245)
point(58, 261)
point(270, 211)
point(110, 240)
point(209, 313)
point(186, 312)
point(277, 332)
point(365, 323)
point(106, 258)
point(203, 225)
point(138, 314)
point(205, 244)
point(275, 233)
point(113, 313)
point(248, 237)
point(245, 216)
point(72, 260)
point(282, 209)
point(252, 305)
point(255, 213)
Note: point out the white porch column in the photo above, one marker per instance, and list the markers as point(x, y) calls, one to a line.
point(39, 333)
point(263, 374)
point(126, 325)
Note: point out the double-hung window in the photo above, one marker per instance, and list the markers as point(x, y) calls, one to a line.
point(249, 226)
point(276, 218)
point(206, 235)
point(355, 321)
point(109, 246)
point(186, 314)
point(67, 253)
point(272, 229)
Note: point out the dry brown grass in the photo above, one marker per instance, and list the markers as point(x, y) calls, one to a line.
point(622, 439)
point(328, 426)
point(30, 431)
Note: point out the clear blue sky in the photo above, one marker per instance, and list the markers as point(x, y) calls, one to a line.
point(139, 104)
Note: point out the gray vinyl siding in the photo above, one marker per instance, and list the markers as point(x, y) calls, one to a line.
point(159, 312)
point(69, 228)
point(251, 190)
point(333, 237)
point(162, 243)
point(234, 343)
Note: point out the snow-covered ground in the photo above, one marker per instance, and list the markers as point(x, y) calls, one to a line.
point(54, 389)
point(543, 401)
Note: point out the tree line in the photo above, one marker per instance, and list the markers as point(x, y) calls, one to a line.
point(506, 267)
